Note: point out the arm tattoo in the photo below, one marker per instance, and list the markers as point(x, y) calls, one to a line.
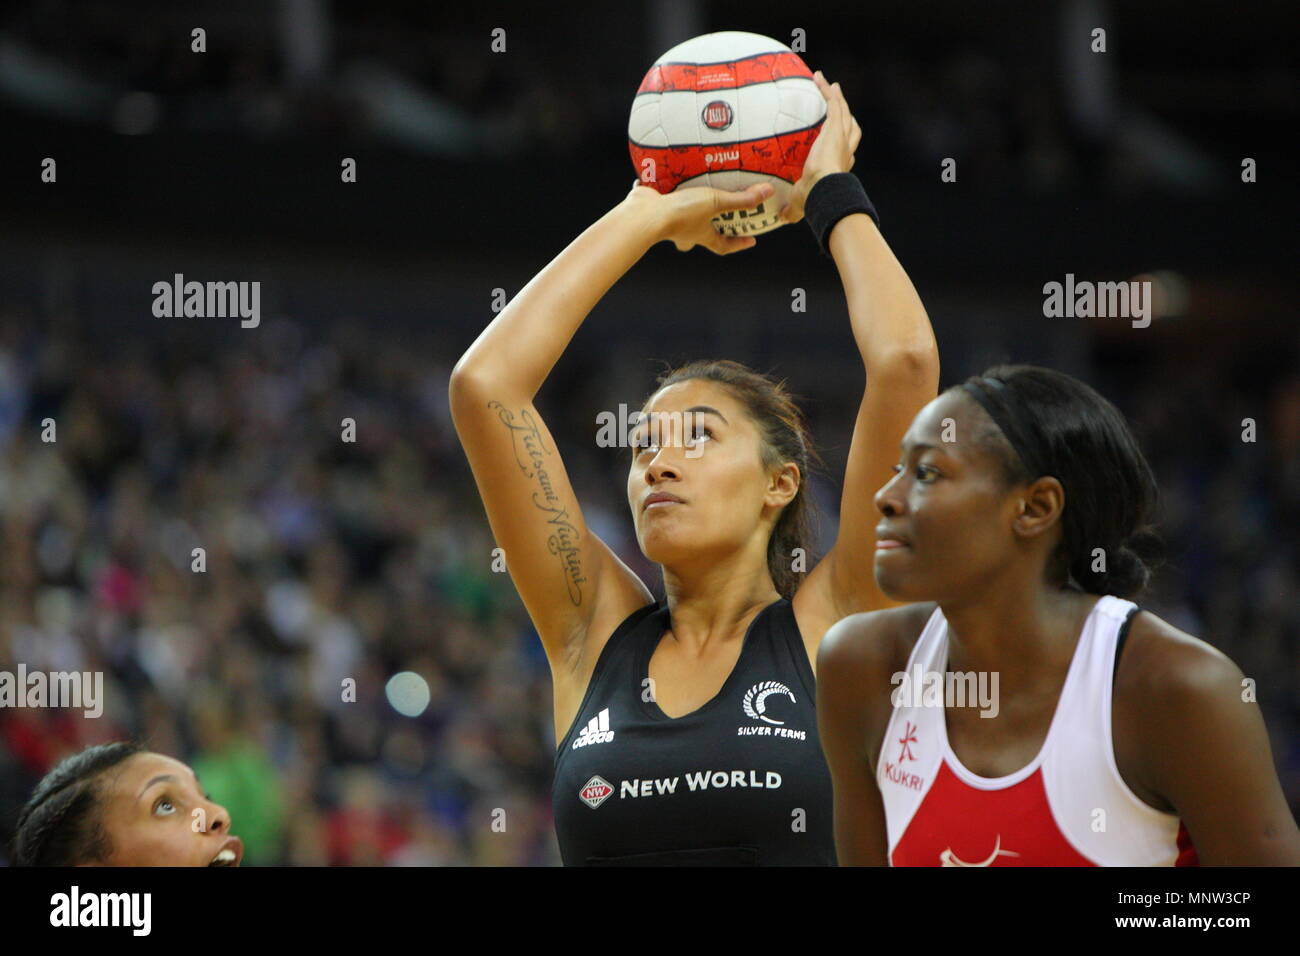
point(529, 448)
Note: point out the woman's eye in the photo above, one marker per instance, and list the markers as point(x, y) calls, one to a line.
point(164, 802)
point(924, 472)
point(702, 432)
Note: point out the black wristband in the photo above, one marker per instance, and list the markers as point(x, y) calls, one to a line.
point(831, 199)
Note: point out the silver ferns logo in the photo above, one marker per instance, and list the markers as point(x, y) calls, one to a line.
point(755, 702)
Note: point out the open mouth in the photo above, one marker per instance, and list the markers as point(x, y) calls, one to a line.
point(225, 858)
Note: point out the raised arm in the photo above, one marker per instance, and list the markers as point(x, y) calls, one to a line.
point(901, 361)
point(567, 578)
point(902, 375)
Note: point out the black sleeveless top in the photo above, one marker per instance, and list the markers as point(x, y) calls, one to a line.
point(739, 782)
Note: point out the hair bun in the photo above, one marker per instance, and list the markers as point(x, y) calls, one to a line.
point(1128, 567)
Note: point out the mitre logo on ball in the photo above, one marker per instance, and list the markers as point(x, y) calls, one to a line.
point(761, 132)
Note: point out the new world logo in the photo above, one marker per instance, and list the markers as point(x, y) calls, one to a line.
point(595, 792)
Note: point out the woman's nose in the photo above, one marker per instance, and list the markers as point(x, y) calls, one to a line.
point(659, 469)
point(218, 819)
point(888, 501)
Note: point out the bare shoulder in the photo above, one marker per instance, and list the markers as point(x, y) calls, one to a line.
point(1190, 739)
point(1164, 666)
point(1169, 685)
point(872, 641)
point(855, 666)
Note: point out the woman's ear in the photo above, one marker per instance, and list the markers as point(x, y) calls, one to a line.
point(1040, 507)
point(783, 485)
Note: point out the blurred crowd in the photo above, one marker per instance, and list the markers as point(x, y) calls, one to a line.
point(325, 560)
point(413, 76)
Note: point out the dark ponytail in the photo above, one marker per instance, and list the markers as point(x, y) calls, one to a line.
point(1056, 425)
point(784, 438)
point(61, 824)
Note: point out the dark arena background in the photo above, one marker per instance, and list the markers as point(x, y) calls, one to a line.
point(1168, 158)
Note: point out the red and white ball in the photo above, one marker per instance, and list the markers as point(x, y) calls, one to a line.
point(727, 110)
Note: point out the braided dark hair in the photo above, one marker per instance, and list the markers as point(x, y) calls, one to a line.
point(784, 438)
point(61, 825)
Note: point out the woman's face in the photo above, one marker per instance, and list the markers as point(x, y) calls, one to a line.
point(946, 530)
point(156, 814)
point(697, 444)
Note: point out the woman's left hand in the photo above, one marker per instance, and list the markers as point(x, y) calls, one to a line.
point(832, 151)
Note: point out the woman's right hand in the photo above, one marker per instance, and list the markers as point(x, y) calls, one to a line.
point(683, 216)
point(832, 151)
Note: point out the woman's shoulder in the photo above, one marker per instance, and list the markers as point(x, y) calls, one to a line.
point(874, 641)
point(856, 665)
point(1182, 713)
point(1161, 664)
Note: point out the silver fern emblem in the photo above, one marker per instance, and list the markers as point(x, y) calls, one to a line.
point(755, 702)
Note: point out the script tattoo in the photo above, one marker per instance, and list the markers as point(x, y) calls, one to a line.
point(530, 449)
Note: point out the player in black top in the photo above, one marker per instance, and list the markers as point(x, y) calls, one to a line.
point(740, 780)
point(687, 732)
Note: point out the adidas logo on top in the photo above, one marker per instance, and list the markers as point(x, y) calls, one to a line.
point(596, 732)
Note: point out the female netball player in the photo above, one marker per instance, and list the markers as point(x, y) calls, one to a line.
point(120, 805)
point(1110, 738)
point(687, 732)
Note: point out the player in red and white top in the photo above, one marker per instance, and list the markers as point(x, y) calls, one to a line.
point(1109, 738)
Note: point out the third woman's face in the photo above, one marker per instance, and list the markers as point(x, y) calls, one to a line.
point(947, 513)
point(695, 443)
point(156, 814)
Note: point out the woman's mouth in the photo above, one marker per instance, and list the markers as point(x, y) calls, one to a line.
point(231, 852)
point(659, 498)
point(887, 539)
